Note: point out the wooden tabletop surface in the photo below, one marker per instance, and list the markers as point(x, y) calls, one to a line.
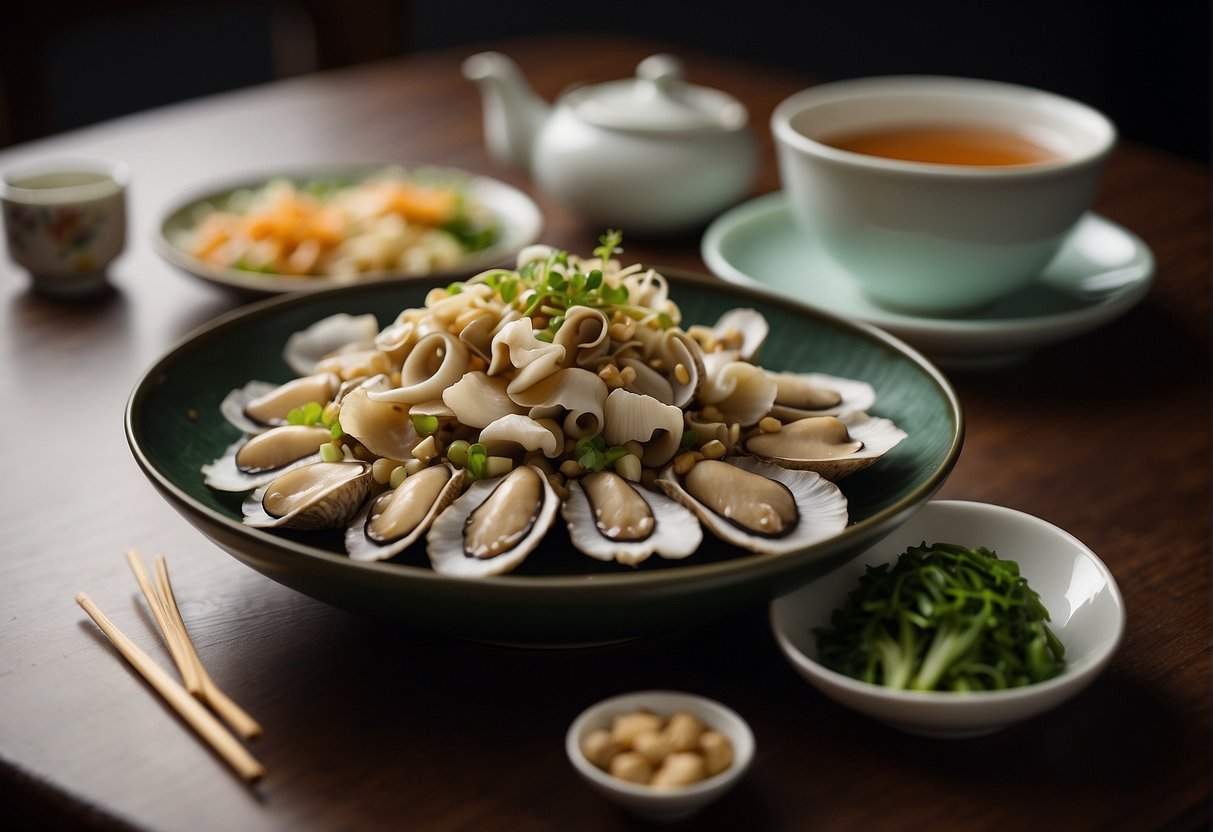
point(370, 725)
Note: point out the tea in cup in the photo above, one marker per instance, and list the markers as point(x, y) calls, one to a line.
point(65, 221)
point(938, 196)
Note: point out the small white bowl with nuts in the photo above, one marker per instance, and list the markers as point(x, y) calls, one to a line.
point(662, 755)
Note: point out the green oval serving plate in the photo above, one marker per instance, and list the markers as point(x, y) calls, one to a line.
point(558, 597)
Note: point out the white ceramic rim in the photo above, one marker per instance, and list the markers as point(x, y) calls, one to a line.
point(1071, 675)
point(937, 87)
point(521, 218)
point(723, 719)
point(118, 173)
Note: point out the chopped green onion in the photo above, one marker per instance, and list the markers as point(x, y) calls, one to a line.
point(425, 425)
point(311, 413)
point(477, 457)
point(457, 452)
point(592, 459)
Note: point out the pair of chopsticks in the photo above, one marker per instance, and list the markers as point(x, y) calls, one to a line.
point(197, 689)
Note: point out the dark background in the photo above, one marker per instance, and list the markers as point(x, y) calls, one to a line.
point(1146, 64)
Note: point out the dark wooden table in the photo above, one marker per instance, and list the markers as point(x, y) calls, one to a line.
point(373, 726)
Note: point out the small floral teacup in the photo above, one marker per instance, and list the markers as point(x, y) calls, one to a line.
point(65, 220)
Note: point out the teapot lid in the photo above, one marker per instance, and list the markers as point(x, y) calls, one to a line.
point(657, 99)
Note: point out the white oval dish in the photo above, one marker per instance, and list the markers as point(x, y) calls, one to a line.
point(519, 219)
point(1075, 586)
point(645, 801)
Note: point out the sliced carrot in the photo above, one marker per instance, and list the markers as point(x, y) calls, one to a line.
point(424, 205)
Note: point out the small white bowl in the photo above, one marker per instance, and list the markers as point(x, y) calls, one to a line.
point(645, 801)
point(1079, 592)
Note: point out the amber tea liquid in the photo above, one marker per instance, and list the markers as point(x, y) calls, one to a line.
point(946, 145)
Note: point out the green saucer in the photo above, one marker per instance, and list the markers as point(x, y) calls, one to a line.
point(1101, 272)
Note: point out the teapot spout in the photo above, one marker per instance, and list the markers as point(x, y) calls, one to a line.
point(513, 112)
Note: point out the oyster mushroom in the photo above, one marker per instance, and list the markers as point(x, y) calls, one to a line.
point(305, 349)
point(478, 400)
point(436, 361)
point(515, 435)
point(383, 427)
point(684, 359)
point(741, 391)
point(744, 330)
point(658, 427)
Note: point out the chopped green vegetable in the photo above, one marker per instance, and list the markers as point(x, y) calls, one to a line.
point(245, 265)
point(311, 413)
point(944, 617)
point(590, 452)
point(470, 235)
point(425, 425)
point(457, 452)
point(615, 453)
point(477, 458)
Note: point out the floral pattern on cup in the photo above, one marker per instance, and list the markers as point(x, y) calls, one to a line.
point(65, 219)
point(71, 227)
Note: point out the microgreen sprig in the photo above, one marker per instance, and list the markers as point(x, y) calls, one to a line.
point(592, 453)
point(549, 288)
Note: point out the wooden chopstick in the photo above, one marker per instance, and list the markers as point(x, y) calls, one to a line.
point(173, 638)
point(190, 709)
point(229, 711)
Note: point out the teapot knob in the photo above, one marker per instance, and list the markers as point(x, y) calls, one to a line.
point(660, 70)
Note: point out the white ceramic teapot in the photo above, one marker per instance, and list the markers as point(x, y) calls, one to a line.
point(649, 154)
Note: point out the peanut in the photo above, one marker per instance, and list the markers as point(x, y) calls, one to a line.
point(631, 766)
point(625, 727)
point(684, 730)
point(600, 748)
point(643, 747)
point(654, 745)
point(679, 769)
point(717, 751)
